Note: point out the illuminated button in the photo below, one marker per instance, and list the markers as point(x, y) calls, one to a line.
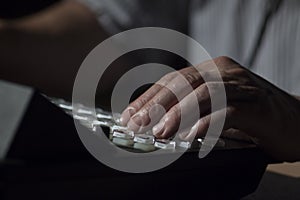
point(184, 144)
point(122, 132)
point(212, 141)
point(122, 142)
point(144, 147)
point(144, 139)
point(165, 144)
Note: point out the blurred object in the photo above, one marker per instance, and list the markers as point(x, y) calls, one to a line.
point(49, 46)
point(287, 169)
point(14, 100)
point(17, 8)
point(276, 187)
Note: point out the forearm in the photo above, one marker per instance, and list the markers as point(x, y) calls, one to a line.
point(45, 50)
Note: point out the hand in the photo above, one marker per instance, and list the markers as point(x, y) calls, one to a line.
point(255, 107)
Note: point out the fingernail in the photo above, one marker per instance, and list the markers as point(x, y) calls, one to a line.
point(182, 136)
point(135, 122)
point(127, 113)
point(191, 134)
point(137, 119)
point(158, 129)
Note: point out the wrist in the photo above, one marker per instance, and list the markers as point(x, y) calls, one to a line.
point(297, 102)
point(297, 97)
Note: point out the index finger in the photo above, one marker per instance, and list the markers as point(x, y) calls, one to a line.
point(137, 104)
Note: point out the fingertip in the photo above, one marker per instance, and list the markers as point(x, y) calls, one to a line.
point(136, 122)
point(131, 125)
point(158, 129)
point(183, 136)
point(126, 115)
point(191, 135)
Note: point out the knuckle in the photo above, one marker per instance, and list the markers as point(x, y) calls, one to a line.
point(192, 78)
point(224, 60)
point(175, 112)
point(231, 110)
point(172, 117)
point(149, 106)
point(204, 122)
point(242, 72)
point(139, 102)
point(169, 120)
point(202, 92)
point(164, 93)
point(166, 78)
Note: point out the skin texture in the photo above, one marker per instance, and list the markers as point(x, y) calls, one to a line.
point(255, 108)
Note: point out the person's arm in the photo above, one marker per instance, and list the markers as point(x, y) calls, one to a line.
point(45, 50)
point(256, 107)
